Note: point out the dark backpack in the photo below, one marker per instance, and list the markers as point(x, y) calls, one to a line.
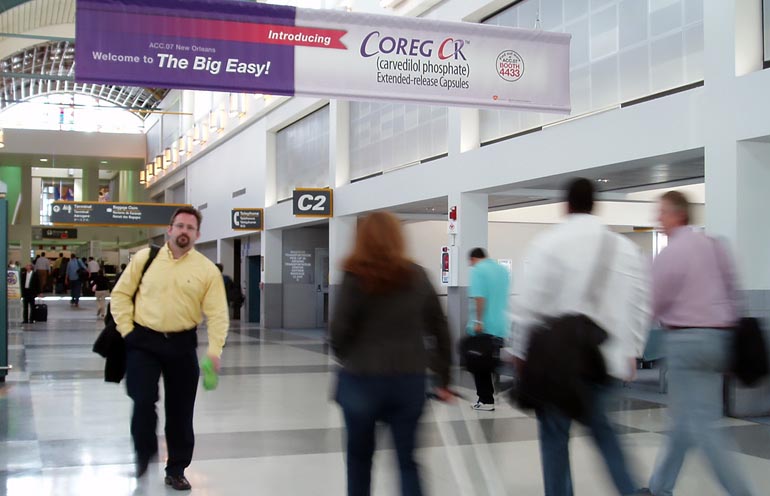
point(749, 359)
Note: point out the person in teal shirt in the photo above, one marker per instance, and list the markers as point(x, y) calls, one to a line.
point(488, 313)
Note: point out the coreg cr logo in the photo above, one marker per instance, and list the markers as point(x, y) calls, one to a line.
point(374, 44)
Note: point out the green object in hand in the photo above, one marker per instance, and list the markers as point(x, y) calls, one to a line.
point(210, 376)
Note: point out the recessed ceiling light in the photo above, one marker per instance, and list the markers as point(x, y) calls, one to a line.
point(104, 162)
point(602, 180)
point(44, 160)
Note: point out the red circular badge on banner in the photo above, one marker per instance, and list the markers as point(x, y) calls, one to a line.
point(510, 66)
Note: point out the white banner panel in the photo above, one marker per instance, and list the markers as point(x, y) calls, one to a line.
point(426, 61)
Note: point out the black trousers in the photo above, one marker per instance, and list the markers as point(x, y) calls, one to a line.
point(150, 354)
point(485, 388)
point(29, 309)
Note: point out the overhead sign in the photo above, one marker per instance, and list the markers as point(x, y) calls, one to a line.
point(51, 233)
point(112, 214)
point(247, 219)
point(312, 202)
point(227, 45)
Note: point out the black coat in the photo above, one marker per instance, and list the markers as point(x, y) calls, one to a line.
point(110, 345)
point(34, 284)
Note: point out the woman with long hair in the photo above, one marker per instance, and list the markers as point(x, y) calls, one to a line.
point(385, 310)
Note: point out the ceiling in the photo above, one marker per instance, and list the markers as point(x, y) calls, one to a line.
point(636, 175)
point(71, 162)
point(35, 68)
point(648, 174)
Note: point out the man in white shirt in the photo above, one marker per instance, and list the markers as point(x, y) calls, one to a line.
point(561, 265)
point(93, 266)
point(43, 268)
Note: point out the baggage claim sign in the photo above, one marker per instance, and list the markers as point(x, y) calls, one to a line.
point(227, 45)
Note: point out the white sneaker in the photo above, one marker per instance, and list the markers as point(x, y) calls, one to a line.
point(483, 407)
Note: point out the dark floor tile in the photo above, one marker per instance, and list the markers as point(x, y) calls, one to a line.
point(278, 369)
point(751, 440)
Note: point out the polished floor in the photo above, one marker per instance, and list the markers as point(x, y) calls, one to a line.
point(270, 427)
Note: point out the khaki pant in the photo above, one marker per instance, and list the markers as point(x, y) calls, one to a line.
point(101, 298)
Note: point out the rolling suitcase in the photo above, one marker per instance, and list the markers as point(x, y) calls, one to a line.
point(40, 312)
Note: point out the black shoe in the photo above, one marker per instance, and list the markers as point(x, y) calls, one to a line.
point(178, 482)
point(142, 463)
point(644, 492)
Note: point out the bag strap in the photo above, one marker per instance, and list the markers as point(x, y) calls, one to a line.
point(599, 277)
point(153, 253)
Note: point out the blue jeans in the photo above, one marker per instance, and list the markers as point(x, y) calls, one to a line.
point(697, 358)
point(395, 400)
point(75, 287)
point(554, 447)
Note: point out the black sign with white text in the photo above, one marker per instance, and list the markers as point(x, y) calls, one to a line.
point(112, 214)
point(313, 202)
point(246, 219)
point(49, 233)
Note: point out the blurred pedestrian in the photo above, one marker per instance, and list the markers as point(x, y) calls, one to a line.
point(581, 268)
point(30, 289)
point(101, 288)
point(385, 310)
point(695, 297)
point(43, 268)
point(488, 314)
point(75, 271)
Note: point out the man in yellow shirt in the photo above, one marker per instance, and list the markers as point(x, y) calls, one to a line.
point(159, 328)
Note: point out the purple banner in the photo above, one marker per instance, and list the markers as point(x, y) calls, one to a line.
point(184, 44)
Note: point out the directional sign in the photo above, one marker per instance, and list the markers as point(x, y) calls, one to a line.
point(313, 202)
point(112, 214)
point(49, 233)
point(246, 219)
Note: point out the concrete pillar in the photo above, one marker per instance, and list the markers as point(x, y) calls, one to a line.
point(736, 170)
point(27, 218)
point(463, 130)
point(271, 305)
point(339, 143)
point(472, 231)
point(90, 191)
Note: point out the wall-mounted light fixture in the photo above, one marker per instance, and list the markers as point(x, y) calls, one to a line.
point(150, 170)
point(158, 164)
point(167, 158)
point(2, 138)
point(181, 145)
point(142, 177)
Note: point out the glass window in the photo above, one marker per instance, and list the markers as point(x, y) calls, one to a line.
point(766, 28)
point(621, 50)
point(70, 112)
point(384, 136)
point(302, 154)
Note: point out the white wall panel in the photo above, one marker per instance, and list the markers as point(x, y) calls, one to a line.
point(302, 154)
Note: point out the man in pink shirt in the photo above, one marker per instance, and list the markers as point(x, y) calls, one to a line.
point(695, 299)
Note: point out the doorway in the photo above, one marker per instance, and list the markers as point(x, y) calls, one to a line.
point(322, 286)
point(254, 283)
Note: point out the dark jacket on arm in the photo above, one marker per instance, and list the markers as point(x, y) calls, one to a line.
point(385, 334)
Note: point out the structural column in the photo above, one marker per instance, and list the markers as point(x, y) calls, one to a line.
point(271, 304)
point(90, 184)
point(736, 171)
point(26, 218)
point(471, 230)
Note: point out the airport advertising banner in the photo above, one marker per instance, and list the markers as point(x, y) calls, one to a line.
point(227, 45)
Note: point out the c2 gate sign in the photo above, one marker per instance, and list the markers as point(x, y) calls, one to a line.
point(246, 219)
point(112, 214)
point(313, 202)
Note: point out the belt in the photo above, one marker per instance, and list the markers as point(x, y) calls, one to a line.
point(679, 328)
point(167, 335)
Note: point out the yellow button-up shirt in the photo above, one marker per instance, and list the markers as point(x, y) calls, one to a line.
point(173, 296)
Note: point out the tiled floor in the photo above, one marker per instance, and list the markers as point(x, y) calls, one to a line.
point(270, 427)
